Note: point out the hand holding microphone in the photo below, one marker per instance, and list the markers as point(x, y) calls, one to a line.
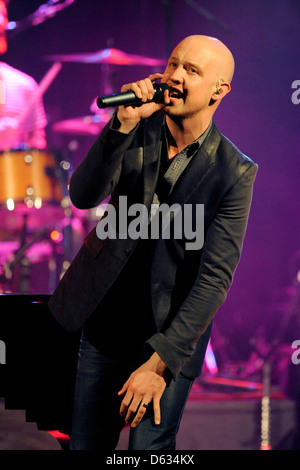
point(130, 98)
point(137, 101)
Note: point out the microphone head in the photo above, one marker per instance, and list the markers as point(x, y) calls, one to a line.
point(159, 89)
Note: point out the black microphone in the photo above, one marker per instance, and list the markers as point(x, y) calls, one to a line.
point(129, 97)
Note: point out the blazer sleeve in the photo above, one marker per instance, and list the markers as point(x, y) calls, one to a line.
point(220, 257)
point(98, 174)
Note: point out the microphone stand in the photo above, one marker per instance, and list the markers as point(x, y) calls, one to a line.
point(265, 443)
point(207, 15)
point(43, 13)
point(167, 4)
point(292, 311)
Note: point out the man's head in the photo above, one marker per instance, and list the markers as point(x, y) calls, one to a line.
point(3, 25)
point(199, 73)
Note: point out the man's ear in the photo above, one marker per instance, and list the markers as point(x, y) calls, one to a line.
point(221, 90)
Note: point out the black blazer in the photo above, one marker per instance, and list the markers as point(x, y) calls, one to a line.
point(187, 286)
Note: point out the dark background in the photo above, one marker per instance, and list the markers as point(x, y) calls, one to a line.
point(258, 116)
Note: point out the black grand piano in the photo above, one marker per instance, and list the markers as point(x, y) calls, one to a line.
point(37, 372)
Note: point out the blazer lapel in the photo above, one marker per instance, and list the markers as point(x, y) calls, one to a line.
point(152, 154)
point(197, 169)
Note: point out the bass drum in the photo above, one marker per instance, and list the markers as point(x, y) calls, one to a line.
point(29, 186)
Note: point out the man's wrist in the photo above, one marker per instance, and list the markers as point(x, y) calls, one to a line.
point(125, 127)
point(157, 364)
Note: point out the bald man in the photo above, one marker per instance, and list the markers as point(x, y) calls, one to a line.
point(146, 303)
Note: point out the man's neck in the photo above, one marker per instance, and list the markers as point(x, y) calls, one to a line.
point(184, 132)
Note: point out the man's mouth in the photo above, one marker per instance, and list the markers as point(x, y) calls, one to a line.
point(176, 94)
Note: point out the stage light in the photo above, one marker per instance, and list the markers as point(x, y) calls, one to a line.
point(56, 236)
point(10, 204)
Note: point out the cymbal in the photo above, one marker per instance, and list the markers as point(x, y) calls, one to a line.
point(85, 125)
point(108, 56)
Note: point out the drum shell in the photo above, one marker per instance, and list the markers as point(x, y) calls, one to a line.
point(29, 174)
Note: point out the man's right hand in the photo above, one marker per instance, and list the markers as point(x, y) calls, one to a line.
point(130, 116)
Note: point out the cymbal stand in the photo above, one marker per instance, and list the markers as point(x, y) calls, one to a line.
point(265, 443)
point(20, 259)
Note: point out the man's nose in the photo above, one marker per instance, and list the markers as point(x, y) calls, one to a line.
point(177, 75)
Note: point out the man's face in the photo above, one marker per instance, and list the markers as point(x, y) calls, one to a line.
point(191, 73)
point(3, 26)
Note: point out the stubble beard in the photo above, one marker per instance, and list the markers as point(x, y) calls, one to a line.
point(179, 116)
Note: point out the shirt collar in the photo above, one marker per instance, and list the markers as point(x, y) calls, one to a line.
point(192, 148)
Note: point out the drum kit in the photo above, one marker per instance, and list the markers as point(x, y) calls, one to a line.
point(40, 229)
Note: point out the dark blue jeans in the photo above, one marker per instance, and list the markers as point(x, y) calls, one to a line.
point(96, 420)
